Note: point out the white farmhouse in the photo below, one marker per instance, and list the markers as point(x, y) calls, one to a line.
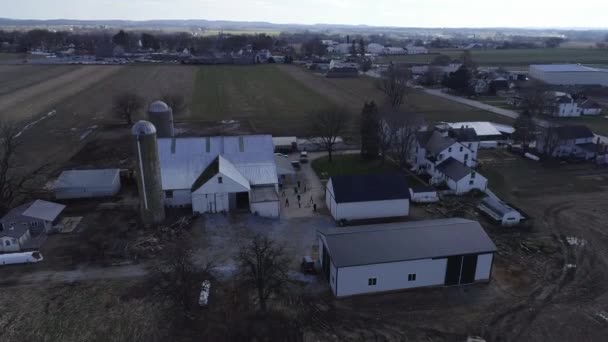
point(568, 141)
point(357, 197)
point(396, 256)
point(375, 48)
point(220, 174)
point(448, 157)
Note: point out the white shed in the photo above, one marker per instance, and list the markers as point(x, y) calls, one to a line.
point(500, 211)
point(423, 194)
point(357, 197)
point(396, 256)
point(87, 183)
point(461, 178)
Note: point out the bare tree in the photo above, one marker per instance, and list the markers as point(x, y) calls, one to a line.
point(538, 101)
point(127, 104)
point(178, 278)
point(394, 84)
point(405, 138)
point(175, 101)
point(10, 183)
point(524, 128)
point(550, 140)
point(263, 265)
point(329, 124)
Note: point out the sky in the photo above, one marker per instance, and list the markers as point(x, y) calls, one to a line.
point(401, 13)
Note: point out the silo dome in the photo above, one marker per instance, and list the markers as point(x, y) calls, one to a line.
point(143, 127)
point(158, 107)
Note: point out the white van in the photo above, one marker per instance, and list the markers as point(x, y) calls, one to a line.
point(20, 258)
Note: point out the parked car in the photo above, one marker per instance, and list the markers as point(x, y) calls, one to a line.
point(308, 265)
point(303, 157)
point(296, 165)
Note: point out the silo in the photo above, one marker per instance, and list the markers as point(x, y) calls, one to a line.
point(149, 181)
point(161, 115)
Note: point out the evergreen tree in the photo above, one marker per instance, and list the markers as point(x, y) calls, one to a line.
point(370, 126)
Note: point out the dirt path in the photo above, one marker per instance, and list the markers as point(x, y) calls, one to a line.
point(80, 274)
point(29, 102)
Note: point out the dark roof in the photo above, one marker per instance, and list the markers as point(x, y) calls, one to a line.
point(564, 99)
point(15, 216)
point(393, 242)
point(454, 169)
point(211, 170)
point(423, 137)
point(463, 134)
point(589, 147)
point(437, 143)
point(423, 188)
point(364, 188)
point(569, 132)
point(589, 104)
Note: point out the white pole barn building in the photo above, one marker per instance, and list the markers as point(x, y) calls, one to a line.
point(395, 256)
point(357, 197)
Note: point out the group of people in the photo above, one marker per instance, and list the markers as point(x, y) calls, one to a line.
point(299, 197)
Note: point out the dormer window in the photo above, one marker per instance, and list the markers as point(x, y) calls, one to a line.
point(220, 180)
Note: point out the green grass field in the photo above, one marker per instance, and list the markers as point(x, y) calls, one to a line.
point(269, 98)
point(350, 164)
point(515, 57)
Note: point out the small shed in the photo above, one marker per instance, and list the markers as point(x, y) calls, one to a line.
point(264, 201)
point(423, 194)
point(285, 144)
point(358, 197)
point(87, 184)
point(500, 211)
point(395, 256)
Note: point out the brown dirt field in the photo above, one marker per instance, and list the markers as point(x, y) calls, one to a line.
point(15, 77)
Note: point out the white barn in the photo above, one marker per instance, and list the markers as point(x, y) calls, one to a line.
point(87, 184)
point(569, 74)
point(358, 197)
point(396, 256)
point(220, 174)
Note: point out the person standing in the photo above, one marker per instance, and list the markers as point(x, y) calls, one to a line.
point(287, 203)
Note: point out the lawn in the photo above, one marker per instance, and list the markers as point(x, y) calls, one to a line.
point(272, 101)
point(598, 124)
point(514, 57)
point(350, 164)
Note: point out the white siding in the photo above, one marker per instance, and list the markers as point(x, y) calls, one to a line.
point(511, 218)
point(181, 198)
point(373, 209)
point(424, 197)
point(213, 186)
point(210, 203)
point(459, 152)
point(330, 201)
point(266, 209)
point(390, 276)
point(333, 277)
point(484, 266)
point(463, 186)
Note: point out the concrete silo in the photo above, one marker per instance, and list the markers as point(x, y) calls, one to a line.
point(149, 181)
point(161, 115)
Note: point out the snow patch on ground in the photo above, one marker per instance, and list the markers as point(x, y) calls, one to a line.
point(574, 241)
point(33, 123)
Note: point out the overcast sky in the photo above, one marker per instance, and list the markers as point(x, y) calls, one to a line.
point(405, 13)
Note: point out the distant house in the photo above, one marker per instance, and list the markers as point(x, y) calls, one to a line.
point(357, 197)
point(397, 256)
point(339, 69)
point(25, 221)
point(375, 48)
point(342, 48)
point(568, 141)
point(589, 107)
point(416, 50)
point(563, 105)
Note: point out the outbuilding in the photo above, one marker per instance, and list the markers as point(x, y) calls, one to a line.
point(87, 184)
point(396, 256)
point(423, 194)
point(500, 211)
point(460, 178)
point(358, 197)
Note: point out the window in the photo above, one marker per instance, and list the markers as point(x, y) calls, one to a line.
point(7, 242)
point(470, 145)
point(471, 182)
point(461, 148)
point(169, 194)
point(450, 149)
point(34, 224)
point(466, 156)
point(220, 180)
point(473, 175)
point(440, 156)
point(372, 281)
point(411, 277)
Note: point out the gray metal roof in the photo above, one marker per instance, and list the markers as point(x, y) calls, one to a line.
point(44, 210)
point(496, 206)
point(564, 68)
point(182, 160)
point(454, 169)
point(264, 194)
point(86, 178)
point(392, 242)
point(482, 128)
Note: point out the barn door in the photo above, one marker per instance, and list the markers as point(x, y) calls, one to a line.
point(325, 263)
point(469, 266)
point(452, 272)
